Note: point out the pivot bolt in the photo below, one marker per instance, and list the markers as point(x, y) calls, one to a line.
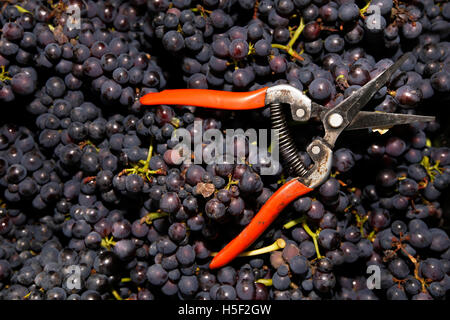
point(315, 149)
point(300, 113)
point(335, 120)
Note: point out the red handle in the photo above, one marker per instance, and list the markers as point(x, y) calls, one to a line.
point(269, 211)
point(208, 98)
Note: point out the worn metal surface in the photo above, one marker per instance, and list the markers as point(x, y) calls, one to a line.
point(284, 93)
point(381, 120)
point(322, 164)
point(288, 149)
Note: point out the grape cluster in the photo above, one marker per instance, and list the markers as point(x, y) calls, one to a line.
point(97, 202)
point(316, 46)
point(45, 53)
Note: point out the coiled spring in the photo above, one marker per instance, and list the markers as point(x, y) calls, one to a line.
point(287, 146)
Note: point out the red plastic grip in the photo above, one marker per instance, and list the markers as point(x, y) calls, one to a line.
point(269, 211)
point(208, 98)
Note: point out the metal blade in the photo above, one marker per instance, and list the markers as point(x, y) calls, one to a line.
point(382, 120)
point(317, 109)
point(338, 118)
point(358, 99)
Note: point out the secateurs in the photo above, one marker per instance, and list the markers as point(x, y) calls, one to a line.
point(345, 116)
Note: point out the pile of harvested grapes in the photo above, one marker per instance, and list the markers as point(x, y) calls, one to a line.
point(95, 203)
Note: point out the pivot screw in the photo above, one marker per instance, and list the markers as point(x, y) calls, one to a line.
point(315, 149)
point(300, 113)
point(335, 120)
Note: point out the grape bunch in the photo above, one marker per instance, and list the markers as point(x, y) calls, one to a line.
point(97, 202)
point(42, 54)
point(322, 47)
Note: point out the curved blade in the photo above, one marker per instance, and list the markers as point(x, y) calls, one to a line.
point(358, 99)
point(382, 120)
point(341, 116)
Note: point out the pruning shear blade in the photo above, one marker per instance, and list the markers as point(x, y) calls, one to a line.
point(384, 120)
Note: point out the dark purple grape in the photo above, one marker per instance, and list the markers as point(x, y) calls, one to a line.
point(215, 209)
point(156, 275)
point(440, 81)
point(395, 146)
point(408, 96)
point(238, 49)
point(298, 264)
point(348, 12)
point(278, 64)
point(412, 30)
point(343, 160)
point(263, 48)
point(173, 41)
point(169, 202)
point(320, 89)
point(399, 268)
point(431, 269)
point(420, 238)
point(329, 239)
point(324, 281)
point(22, 83)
